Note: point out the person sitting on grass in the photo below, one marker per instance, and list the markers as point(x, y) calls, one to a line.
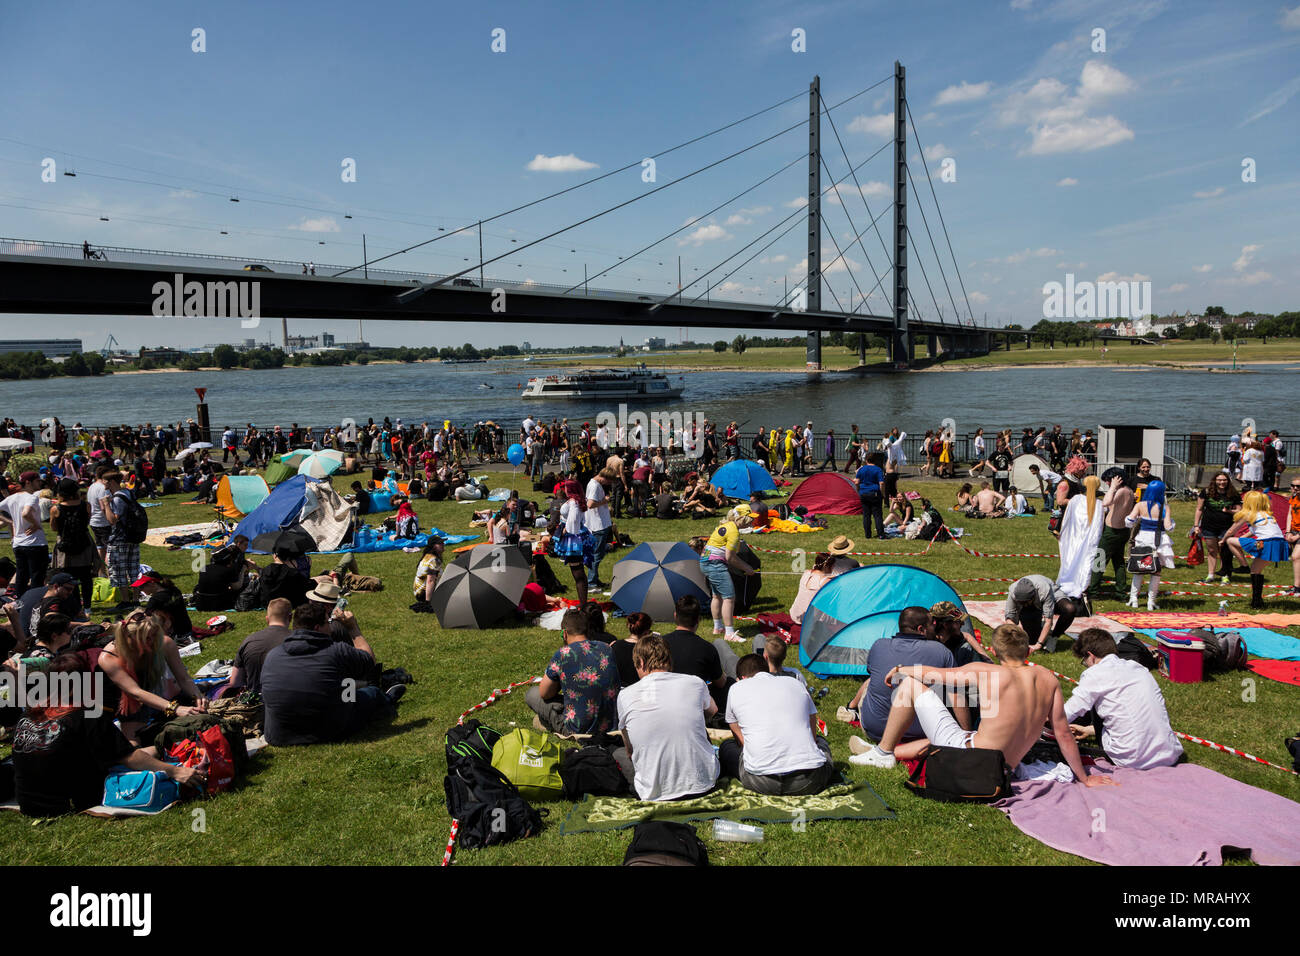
point(1120, 699)
point(776, 749)
point(901, 513)
point(666, 754)
point(429, 570)
point(283, 579)
point(638, 626)
point(247, 668)
point(141, 661)
point(64, 749)
point(947, 620)
point(774, 651)
point(664, 502)
point(578, 690)
point(1020, 701)
point(810, 582)
point(408, 522)
point(167, 605)
point(964, 497)
point(988, 503)
point(317, 689)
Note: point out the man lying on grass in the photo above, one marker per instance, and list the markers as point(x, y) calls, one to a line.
point(1015, 699)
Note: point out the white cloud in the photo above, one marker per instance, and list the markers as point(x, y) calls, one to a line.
point(568, 163)
point(963, 93)
point(182, 194)
point(1018, 257)
point(736, 219)
point(1067, 181)
point(1247, 254)
point(1205, 268)
point(773, 260)
point(797, 203)
point(839, 265)
point(1116, 277)
point(319, 224)
point(1177, 287)
point(1274, 100)
point(834, 196)
point(1209, 193)
point(756, 210)
point(1021, 4)
point(1058, 121)
point(937, 151)
point(1254, 278)
point(979, 298)
point(710, 233)
point(1290, 19)
point(882, 124)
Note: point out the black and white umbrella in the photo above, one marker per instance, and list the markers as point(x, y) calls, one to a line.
point(654, 575)
point(481, 586)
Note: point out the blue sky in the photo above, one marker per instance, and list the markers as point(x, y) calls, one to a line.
point(1122, 163)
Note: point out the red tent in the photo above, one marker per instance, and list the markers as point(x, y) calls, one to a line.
point(1281, 508)
point(828, 493)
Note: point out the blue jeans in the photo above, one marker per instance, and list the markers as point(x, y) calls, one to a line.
point(600, 543)
point(719, 578)
point(371, 703)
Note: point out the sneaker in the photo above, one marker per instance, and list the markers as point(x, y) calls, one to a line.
point(875, 757)
point(1225, 580)
point(538, 725)
point(394, 693)
point(847, 715)
point(1291, 592)
point(1210, 579)
point(860, 745)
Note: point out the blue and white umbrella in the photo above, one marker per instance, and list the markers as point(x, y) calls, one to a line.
point(654, 575)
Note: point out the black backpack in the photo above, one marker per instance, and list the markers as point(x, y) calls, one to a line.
point(74, 531)
point(1224, 650)
point(663, 843)
point(470, 739)
point(487, 806)
point(591, 769)
point(134, 519)
point(958, 775)
point(1130, 648)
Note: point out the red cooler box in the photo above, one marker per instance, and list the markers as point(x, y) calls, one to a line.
point(1182, 658)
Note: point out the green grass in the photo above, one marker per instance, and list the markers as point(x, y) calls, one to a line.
point(379, 798)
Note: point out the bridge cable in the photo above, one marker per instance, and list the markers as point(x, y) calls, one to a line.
point(804, 281)
point(956, 312)
point(926, 276)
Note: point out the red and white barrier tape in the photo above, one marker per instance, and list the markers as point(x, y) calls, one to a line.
point(451, 843)
point(496, 695)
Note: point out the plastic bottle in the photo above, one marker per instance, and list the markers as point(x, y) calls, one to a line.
point(732, 832)
point(1223, 609)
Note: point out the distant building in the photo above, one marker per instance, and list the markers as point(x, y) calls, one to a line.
point(48, 347)
point(354, 346)
point(527, 347)
point(652, 343)
point(163, 354)
point(323, 341)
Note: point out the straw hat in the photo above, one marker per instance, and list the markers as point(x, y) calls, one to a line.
point(325, 593)
point(840, 545)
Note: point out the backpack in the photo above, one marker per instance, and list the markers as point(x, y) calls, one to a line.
point(134, 519)
point(470, 739)
point(145, 791)
point(530, 760)
point(487, 806)
point(664, 843)
point(958, 775)
point(591, 770)
point(74, 535)
point(1224, 650)
point(1130, 648)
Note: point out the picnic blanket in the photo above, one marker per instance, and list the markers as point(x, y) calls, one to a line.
point(1186, 815)
point(157, 537)
point(103, 812)
point(993, 614)
point(1188, 619)
point(848, 801)
point(1259, 641)
point(370, 540)
point(1287, 672)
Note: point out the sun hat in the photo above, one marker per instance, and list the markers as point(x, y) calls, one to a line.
point(840, 545)
point(325, 593)
point(947, 611)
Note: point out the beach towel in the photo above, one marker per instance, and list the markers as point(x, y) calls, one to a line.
point(1190, 619)
point(1259, 642)
point(369, 540)
point(849, 801)
point(1286, 672)
point(993, 614)
point(1158, 818)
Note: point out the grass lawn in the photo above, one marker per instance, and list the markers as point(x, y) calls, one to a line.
point(379, 799)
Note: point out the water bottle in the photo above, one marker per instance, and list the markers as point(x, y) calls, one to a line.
point(821, 693)
point(730, 831)
point(1223, 609)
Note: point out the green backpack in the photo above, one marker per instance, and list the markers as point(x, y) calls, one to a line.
point(530, 760)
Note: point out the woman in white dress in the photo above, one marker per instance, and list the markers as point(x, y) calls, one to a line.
point(1154, 524)
point(1080, 534)
point(1252, 461)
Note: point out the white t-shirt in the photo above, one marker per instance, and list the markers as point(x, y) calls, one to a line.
point(602, 437)
point(27, 534)
point(662, 716)
point(597, 517)
point(1135, 729)
point(1252, 465)
point(529, 424)
point(97, 496)
point(571, 515)
point(773, 714)
point(1016, 504)
point(979, 447)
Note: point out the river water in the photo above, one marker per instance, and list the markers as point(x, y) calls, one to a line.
point(1179, 400)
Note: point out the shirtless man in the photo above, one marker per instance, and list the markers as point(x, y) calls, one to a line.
point(988, 500)
point(1016, 701)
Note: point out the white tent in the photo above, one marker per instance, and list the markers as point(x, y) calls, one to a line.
point(1021, 477)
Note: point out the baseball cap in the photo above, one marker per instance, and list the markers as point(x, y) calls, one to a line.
point(147, 574)
point(60, 579)
point(27, 476)
point(947, 611)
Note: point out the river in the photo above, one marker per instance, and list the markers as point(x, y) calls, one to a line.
point(1179, 400)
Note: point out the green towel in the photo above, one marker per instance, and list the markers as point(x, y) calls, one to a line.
point(852, 801)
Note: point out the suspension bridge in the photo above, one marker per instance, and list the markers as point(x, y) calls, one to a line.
point(62, 278)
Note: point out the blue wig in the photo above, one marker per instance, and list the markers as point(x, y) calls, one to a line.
point(1155, 494)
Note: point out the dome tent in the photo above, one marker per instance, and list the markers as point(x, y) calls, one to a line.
point(302, 505)
point(740, 478)
point(827, 493)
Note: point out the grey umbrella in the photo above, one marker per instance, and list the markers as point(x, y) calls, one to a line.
point(481, 586)
point(654, 575)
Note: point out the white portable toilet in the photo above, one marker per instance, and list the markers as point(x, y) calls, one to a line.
point(1126, 445)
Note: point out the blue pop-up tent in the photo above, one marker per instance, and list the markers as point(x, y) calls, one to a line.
point(858, 608)
point(298, 504)
point(741, 478)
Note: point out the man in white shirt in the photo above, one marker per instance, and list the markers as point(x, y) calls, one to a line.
point(97, 497)
point(667, 754)
point(1047, 482)
point(22, 512)
point(894, 461)
point(777, 749)
point(529, 425)
point(1124, 699)
point(598, 522)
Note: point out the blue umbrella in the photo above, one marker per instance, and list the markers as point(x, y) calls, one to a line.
point(654, 575)
point(741, 478)
point(858, 608)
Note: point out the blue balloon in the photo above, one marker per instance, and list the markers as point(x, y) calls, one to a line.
point(515, 453)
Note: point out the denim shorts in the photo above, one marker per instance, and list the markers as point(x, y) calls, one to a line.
point(719, 578)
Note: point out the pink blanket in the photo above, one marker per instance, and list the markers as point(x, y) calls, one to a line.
point(1170, 816)
point(993, 614)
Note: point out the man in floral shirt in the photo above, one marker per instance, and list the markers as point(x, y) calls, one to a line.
point(579, 691)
